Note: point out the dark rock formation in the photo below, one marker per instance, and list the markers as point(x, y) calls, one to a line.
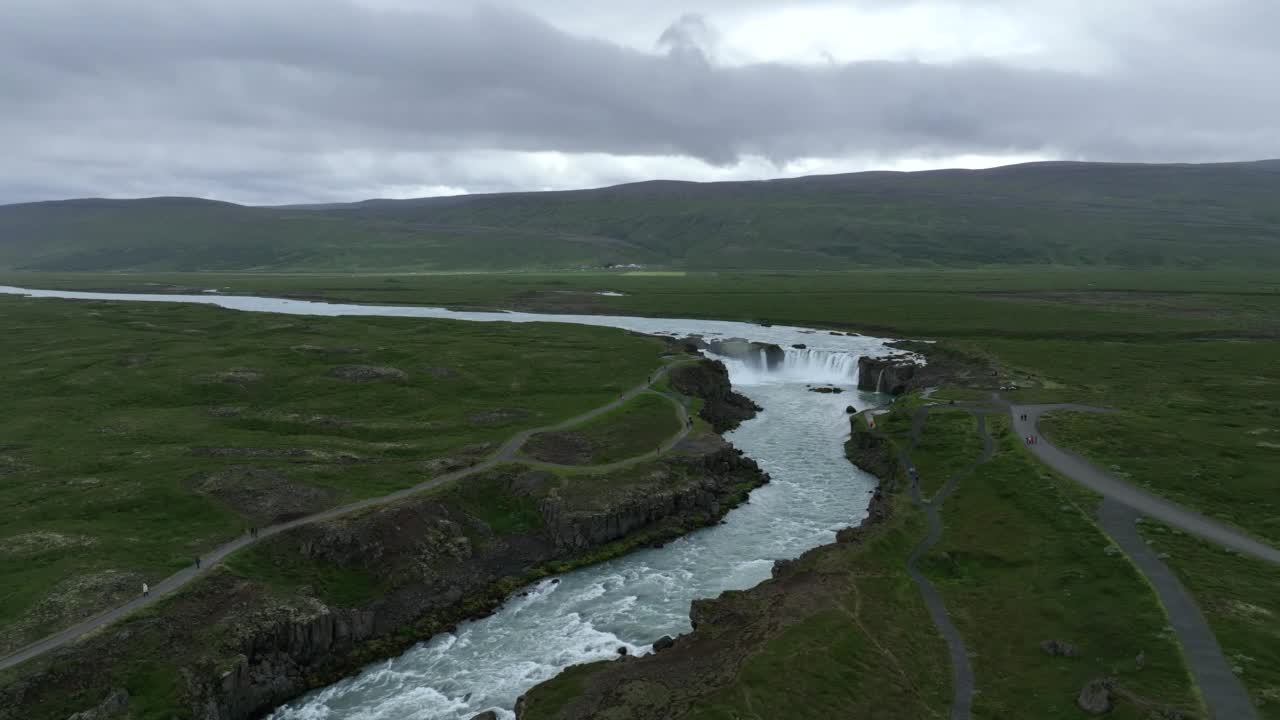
point(763, 356)
point(727, 631)
point(708, 379)
point(800, 346)
point(890, 375)
point(626, 512)
point(871, 452)
point(115, 706)
point(826, 390)
point(1095, 697)
point(1058, 648)
point(368, 372)
point(663, 643)
point(262, 495)
point(486, 715)
point(430, 561)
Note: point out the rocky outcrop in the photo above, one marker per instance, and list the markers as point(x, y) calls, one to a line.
point(762, 356)
point(368, 372)
point(424, 564)
point(115, 706)
point(723, 408)
point(1057, 648)
point(1095, 697)
point(728, 631)
point(871, 452)
point(892, 375)
point(623, 514)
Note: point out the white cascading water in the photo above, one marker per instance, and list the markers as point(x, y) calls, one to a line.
point(633, 600)
point(815, 367)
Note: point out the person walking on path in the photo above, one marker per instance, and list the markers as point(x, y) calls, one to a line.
point(146, 590)
point(197, 562)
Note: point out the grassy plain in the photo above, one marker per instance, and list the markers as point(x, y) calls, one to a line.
point(640, 426)
point(949, 446)
point(1240, 597)
point(1191, 362)
point(136, 436)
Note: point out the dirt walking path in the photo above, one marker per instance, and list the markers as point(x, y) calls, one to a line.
point(504, 454)
point(961, 670)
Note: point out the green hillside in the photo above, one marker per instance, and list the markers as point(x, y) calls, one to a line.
point(1074, 214)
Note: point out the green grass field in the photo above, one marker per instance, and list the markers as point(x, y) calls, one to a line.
point(640, 426)
point(138, 436)
point(1190, 362)
point(951, 445)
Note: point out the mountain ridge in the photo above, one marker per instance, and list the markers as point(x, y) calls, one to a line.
point(1058, 212)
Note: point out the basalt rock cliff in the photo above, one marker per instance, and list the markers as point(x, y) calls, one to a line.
point(893, 375)
point(237, 644)
point(723, 408)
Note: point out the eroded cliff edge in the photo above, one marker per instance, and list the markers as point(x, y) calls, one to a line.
point(305, 608)
point(730, 630)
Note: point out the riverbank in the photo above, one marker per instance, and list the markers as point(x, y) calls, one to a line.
point(843, 631)
point(312, 605)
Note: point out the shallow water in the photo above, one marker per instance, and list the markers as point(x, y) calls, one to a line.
point(630, 601)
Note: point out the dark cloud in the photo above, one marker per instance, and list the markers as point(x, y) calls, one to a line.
point(290, 100)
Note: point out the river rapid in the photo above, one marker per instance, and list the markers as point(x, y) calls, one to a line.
point(588, 614)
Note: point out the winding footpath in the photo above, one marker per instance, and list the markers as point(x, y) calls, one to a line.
point(507, 453)
point(1122, 506)
point(961, 670)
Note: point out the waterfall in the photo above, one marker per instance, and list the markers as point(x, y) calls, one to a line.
point(880, 380)
point(822, 367)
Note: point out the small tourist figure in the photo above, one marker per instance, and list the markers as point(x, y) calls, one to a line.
point(146, 590)
point(197, 562)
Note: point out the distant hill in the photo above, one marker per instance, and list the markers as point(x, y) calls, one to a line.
point(1217, 215)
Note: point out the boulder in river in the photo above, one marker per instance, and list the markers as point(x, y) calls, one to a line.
point(663, 643)
point(486, 715)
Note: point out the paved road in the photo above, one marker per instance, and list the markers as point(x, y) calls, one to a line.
point(961, 671)
point(1222, 691)
point(1107, 485)
point(505, 454)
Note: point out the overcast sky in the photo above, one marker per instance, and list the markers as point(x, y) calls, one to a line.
point(278, 101)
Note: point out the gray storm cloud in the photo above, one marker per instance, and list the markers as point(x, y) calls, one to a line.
point(260, 97)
